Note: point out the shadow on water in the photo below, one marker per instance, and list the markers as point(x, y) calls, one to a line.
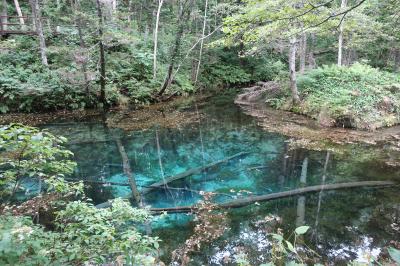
point(345, 224)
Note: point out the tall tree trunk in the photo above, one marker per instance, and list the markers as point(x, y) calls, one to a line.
point(184, 13)
point(303, 52)
point(19, 12)
point(311, 60)
point(160, 2)
point(340, 43)
point(39, 29)
point(82, 44)
point(103, 99)
point(84, 62)
point(129, 10)
point(397, 60)
point(202, 42)
point(4, 15)
point(292, 70)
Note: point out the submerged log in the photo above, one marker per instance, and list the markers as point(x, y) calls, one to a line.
point(128, 171)
point(190, 172)
point(300, 191)
point(180, 176)
point(106, 183)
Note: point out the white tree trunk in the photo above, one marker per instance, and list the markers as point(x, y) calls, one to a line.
point(4, 15)
point(292, 70)
point(201, 43)
point(160, 2)
point(19, 12)
point(303, 53)
point(39, 29)
point(340, 43)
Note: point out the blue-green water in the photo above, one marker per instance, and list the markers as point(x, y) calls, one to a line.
point(345, 224)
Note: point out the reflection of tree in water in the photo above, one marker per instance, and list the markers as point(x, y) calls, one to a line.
point(338, 219)
point(343, 222)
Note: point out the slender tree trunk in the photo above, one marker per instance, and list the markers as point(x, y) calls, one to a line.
point(160, 2)
point(292, 70)
point(397, 60)
point(311, 60)
point(340, 43)
point(103, 99)
point(193, 70)
point(39, 29)
point(84, 62)
point(4, 15)
point(184, 13)
point(303, 52)
point(82, 44)
point(202, 42)
point(129, 10)
point(19, 12)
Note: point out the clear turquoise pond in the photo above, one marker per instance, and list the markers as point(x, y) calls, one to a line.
point(345, 224)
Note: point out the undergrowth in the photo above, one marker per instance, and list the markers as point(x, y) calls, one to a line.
point(358, 96)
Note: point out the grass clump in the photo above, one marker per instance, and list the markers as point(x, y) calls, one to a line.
point(357, 96)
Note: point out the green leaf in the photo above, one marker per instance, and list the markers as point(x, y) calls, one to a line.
point(293, 263)
point(290, 246)
point(302, 230)
point(277, 237)
point(394, 254)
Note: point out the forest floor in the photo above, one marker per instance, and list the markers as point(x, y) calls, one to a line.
point(170, 114)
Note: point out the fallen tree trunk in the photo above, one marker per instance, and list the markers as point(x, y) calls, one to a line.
point(109, 183)
point(180, 176)
point(300, 191)
point(190, 172)
point(128, 171)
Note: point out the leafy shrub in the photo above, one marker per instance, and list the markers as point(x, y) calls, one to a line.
point(83, 235)
point(363, 96)
point(29, 152)
point(268, 69)
point(37, 89)
point(225, 75)
point(223, 67)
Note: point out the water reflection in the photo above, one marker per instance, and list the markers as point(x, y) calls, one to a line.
point(345, 224)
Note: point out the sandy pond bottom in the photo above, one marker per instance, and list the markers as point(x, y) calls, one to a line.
point(345, 225)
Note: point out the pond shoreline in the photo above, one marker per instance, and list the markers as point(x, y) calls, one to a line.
point(97, 115)
point(298, 126)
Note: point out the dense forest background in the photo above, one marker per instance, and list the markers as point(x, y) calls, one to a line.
point(115, 53)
